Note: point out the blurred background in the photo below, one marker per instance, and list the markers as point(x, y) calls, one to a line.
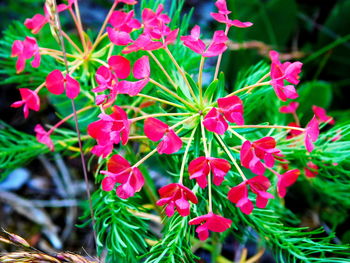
point(315, 32)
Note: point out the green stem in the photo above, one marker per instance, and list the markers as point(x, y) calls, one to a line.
point(228, 152)
point(182, 169)
point(237, 134)
point(162, 68)
point(182, 72)
point(161, 100)
point(200, 80)
point(145, 158)
point(205, 146)
point(172, 93)
point(251, 87)
point(160, 115)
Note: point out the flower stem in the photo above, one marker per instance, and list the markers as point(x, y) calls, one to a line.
point(145, 158)
point(172, 93)
point(183, 121)
point(78, 26)
point(205, 146)
point(200, 80)
point(160, 115)
point(182, 169)
point(98, 38)
point(229, 154)
point(251, 87)
point(268, 127)
point(237, 134)
point(217, 68)
point(67, 118)
point(161, 100)
point(182, 72)
point(162, 68)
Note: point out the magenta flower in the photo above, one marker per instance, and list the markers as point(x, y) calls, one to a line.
point(119, 171)
point(293, 133)
point(36, 23)
point(258, 185)
point(222, 16)
point(285, 180)
point(216, 47)
point(232, 108)
point(210, 222)
point(321, 115)
point(252, 153)
point(311, 134)
point(128, 2)
point(143, 42)
point(142, 72)
point(109, 130)
point(176, 196)
point(43, 137)
point(25, 50)
point(30, 100)
point(286, 71)
point(155, 23)
point(56, 83)
point(215, 122)
point(156, 130)
point(123, 24)
point(290, 108)
point(311, 170)
point(200, 167)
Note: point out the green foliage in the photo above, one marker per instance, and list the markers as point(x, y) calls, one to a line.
point(175, 245)
point(119, 231)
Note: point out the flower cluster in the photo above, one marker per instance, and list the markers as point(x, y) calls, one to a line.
point(167, 131)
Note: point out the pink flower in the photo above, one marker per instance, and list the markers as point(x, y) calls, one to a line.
point(286, 71)
point(285, 180)
point(142, 72)
point(123, 24)
point(56, 83)
point(290, 108)
point(210, 222)
point(200, 167)
point(176, 196)
point(109, 130)
point(215, 122)
point(232, 108)
point(156, 130)
point(30, 100)
point(311, 134)
point(43, 137)
point(311, 170)
point(215, 48)
point(108, 77)
point(120, 171)
point(24, 50)
point(258, 185)
point(155, 23)
point(321, 115)
point(252, 153)
point(36, 23)
point(143, 42)
point(222, 16)
point(128, 2)
point(62, 7)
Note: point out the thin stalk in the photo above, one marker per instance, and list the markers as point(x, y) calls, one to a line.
point(162, 68)
point(137, 137)
point(237, 134)
point(268, 127)
point(79, 27)
point(171, 92)
point(145, 158)
point(181, 72)
point(72, 42)
point(184, 120)
point(217, 68)
point(104, 24)
point(67, 118)
point(228, 152)
point(251, 87)
point(200, 80)
point(182, 169)
point(160, 115)
point(76, 125)
point(205, 146)
point(260, 80)
point(296, 119)
point(161, 100)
